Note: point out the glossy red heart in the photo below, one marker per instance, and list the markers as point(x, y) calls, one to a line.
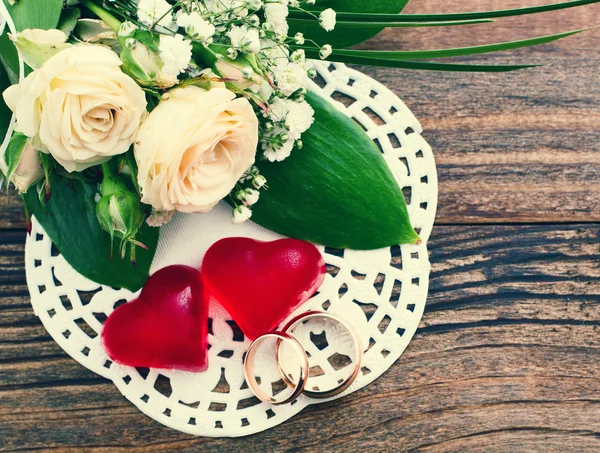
point(261, 283)
point(165, 327)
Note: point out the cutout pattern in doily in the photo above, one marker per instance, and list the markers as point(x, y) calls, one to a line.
point(381, 293)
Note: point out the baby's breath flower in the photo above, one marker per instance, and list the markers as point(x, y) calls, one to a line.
point(327, 19)
point(245, 39)
point(325, 51)
point(299, 38)
point(195, 26)
point(176, 53)
point(127, 28)
point(241, 214)
point(151, 11)
point(276, 17)
point(259, 181)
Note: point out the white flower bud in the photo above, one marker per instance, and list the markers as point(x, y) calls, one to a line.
point(259, 181)
point(241, 214)
point(325, 51)
point(299, 38)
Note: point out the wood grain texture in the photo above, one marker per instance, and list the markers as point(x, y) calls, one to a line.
point(507, 355)
point(507, 358)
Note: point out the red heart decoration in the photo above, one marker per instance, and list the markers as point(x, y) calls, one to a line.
point(165, 327)
point(261, 283)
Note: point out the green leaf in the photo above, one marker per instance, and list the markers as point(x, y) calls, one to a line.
point(395, 24)
point(68, 20)
point(9, 57)
point(69, 218)
point(337, 190)
point(345, 35)
point(5, 113)
point(42, 14)
point(460, 51)
point(372, 15)
point(13, 153)
point(421, 65)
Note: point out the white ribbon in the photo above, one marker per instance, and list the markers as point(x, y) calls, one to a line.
point(5, 17)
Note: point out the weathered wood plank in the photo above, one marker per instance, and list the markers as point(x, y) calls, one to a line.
point(506, 359)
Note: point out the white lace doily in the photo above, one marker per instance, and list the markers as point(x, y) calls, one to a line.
point(381, 293)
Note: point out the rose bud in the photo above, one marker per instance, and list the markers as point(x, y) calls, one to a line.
point(119, 211)
point(153, 60)
point(23, 162)
point(242, 72)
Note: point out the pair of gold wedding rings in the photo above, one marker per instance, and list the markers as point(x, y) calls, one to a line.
point(298, 386)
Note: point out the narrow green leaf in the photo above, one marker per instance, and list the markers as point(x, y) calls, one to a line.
point(13, 153)
point(42, 14)
point(395, 24)
point(460, 51)
point(9, 57)
point(69, 218)
point(68, 20)
point(421, 65)
point(5, 113)
point(337, 190)
point(377, 16)
point(344, 35)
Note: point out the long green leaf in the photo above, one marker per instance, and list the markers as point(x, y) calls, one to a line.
point(69, 218)
point(395, 24)
point(375, 16)
point(421, 65)
point(42, 14)
point(9, 58)
point(5, 113)
point(337, 190)
point(68, 20)
point(456, 52)
point(345, 35)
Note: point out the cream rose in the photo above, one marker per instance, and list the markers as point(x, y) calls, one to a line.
point(79, 106)
point(194, 147)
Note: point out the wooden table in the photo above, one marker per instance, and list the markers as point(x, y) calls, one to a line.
point(507, 358)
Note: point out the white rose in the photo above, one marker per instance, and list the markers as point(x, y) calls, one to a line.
point(194, 147)
point(79, 106)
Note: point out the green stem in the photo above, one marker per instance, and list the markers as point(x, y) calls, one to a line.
point(108, 18)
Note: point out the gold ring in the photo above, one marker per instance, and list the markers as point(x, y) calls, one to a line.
point(358, 353)
point(249, 368)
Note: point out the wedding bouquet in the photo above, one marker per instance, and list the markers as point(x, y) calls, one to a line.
point(119, 113)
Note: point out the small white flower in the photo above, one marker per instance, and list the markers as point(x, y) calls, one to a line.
point(259, 181)
point(327, 19)
point(276, 16)
point(151, 11)
point(281, 153)
point(299, 38)
point(127, 28)
point(241, 214)
point(290, 77)
point(176, 53)
point(195, 26)
point(325, 51)
point(298, 116)
point(298, 56)
point(245, 39)
point(248, 196)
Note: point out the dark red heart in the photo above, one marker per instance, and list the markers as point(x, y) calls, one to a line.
point(261, 283)
point(165, 327)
